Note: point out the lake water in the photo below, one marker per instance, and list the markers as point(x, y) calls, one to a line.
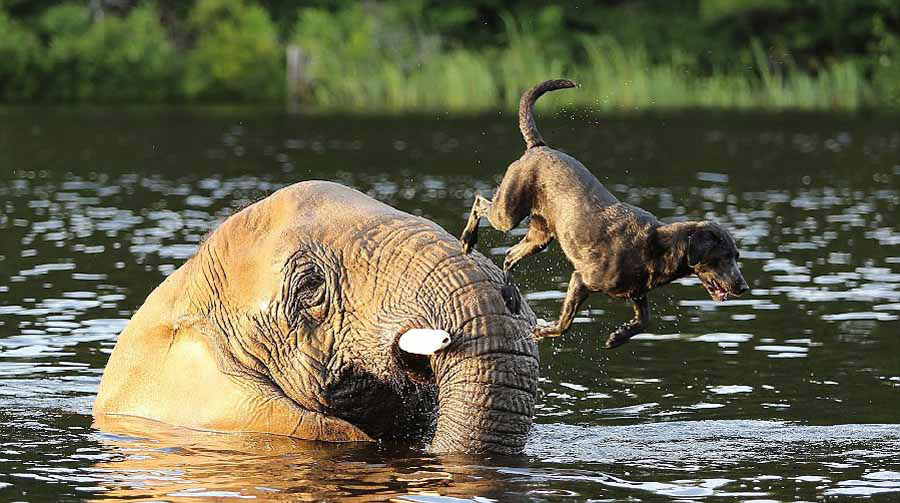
point(791, 393)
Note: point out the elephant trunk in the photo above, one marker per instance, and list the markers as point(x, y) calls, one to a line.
point(487, 384)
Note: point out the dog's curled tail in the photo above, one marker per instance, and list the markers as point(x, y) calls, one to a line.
point(526, 109)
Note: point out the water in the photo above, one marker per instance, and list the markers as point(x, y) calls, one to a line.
point(789, 394)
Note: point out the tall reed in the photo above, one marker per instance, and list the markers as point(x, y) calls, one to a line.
point(365, 73)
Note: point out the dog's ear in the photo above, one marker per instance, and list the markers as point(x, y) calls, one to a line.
point(700, 243)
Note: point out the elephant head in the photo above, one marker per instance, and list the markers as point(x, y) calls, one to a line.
point(323, 314)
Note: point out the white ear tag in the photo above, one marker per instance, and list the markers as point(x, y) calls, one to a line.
point(424, 341)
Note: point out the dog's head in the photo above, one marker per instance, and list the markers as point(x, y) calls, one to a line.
point(713, 256)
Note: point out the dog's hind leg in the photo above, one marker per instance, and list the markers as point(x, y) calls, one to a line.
point(510, 206)
point(576, 294)
point(469, 236)
point(637, 325)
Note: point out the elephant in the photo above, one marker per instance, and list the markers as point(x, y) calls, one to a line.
point(322, 314)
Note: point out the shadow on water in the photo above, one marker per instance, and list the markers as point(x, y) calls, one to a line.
point(790, 393)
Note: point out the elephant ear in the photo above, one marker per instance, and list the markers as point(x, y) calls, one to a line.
point(700, 243)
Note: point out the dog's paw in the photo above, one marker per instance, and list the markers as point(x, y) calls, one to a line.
point(614, 340)
point(544, 329)
point(621, 336)
point(467, 240)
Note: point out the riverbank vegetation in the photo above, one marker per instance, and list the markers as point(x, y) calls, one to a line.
point(454, 55)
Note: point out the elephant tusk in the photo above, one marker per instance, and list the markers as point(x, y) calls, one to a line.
point(424, 341)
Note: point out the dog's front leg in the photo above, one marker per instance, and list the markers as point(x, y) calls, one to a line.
point(637, 325)
point(534, 241)
point(575, 295)
point(469, 236)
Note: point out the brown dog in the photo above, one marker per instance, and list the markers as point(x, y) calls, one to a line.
point(616, 248)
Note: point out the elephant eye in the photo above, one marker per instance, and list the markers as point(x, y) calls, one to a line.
point(303, 292)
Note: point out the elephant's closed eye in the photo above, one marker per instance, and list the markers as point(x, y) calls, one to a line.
point(304, 294)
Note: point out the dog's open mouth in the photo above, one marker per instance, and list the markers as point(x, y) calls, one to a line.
point(716, 290)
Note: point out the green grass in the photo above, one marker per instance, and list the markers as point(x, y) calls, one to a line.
point(611, 77)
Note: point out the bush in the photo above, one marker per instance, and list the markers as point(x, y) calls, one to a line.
point(129, 58)
point(353, 52)
point(112, 59)
point(236, 53)
point(63, 26)
point(886, 65)
point(20, 74)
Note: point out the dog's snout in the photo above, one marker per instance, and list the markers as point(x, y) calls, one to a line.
point(740, 284)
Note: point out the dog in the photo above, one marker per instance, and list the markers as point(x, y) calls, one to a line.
point(615, 248)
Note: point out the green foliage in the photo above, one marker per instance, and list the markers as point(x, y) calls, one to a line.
point(886, 65)
point(63, 27)
point(236, 54)
point(112, 59)
point(129, 58)
point(529, 56)
point(66, 20)
point(19, 52)
point(364, 53)
point(805, 33)
point(457, 55)
point(366, 58)
point(713, 10)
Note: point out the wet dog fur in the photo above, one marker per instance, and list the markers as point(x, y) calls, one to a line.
point(615, 248)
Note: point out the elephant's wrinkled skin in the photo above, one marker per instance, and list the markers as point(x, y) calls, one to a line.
point(287, 319)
